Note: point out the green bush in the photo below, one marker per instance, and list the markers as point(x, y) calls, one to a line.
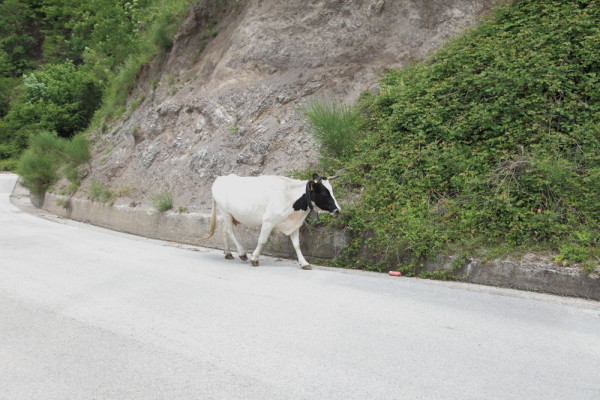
point(48, 158)
point(63, 97)
point(98, 192)
point(57, 58)
point(38, 170)
point(59, 98)
point(335, 126)
point(491, 142)
point(17, 39)
point(571, 253)
point(76, 151)
point(163, 201)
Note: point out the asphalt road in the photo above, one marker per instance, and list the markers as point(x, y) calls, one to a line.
point(87, 313)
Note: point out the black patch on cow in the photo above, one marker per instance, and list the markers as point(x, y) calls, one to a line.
point(319, 195)
point(301, 204)
point(322, 198)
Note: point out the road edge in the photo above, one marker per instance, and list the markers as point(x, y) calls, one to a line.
point(532, 272)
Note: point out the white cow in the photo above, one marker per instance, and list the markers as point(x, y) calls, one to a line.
point(271, 202)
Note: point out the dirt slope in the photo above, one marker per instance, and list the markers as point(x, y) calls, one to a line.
point(225, 99)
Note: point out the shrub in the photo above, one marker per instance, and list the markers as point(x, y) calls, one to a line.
point(63, 97)
point(161, 38)
point(48, 158)
point(335, 126)
point(86, 46)
point(8, 164)
point(76, 151)
point(38, 170)
point(98, 192)
point(492, 141)
point(163, 201)
point(571, 253)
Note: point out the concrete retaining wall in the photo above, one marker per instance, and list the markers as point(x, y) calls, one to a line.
point(533, 272)
point(316, 243)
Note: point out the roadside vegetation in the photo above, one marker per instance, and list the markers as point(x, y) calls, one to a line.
point(163, 201)
point(335, 126)
point(50, 158)
point(489, 147)
point(98, 192)
point(492, 143)
point(66, 65)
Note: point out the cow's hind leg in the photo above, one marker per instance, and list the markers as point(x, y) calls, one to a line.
point(265, 231)
point(228, 233)
point(295, 238)
point(226, 249)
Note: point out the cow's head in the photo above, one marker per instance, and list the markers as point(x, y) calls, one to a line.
point(320, 195)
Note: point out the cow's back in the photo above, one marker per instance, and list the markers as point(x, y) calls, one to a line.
point(247, 198)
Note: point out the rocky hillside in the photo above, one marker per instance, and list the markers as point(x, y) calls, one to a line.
point(226, 97)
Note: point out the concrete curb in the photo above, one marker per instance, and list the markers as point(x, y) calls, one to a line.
point(533, 272)
point(316, 242)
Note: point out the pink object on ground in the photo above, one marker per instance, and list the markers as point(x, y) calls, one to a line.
point(395, 273)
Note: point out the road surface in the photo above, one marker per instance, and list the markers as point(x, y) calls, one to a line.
point(87, 313)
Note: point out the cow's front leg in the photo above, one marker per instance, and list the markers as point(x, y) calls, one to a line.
point(295, 237)
point(265, 231)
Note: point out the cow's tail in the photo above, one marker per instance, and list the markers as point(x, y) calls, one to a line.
point(213, 222)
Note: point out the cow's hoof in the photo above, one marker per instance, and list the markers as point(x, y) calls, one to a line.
point(307, 266)
point(228, 256)
point(244, 257)
point(254, 263)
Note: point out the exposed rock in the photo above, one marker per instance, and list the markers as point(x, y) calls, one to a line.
point(231, 104)
point(148, 156)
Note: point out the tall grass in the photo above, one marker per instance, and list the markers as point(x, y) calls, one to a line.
point(163, 201)
point(48, 158)
point(335, 126)
point(38, 170)
point(98, 192)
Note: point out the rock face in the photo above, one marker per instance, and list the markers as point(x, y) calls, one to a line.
point(226, 97)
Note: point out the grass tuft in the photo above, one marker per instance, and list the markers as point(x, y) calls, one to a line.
point(98, 192)
point(163, 201)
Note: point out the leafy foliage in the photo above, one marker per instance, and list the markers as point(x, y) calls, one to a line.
point(48, 158)
point(493, 140)
point(18, 45)
point(57, 57)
